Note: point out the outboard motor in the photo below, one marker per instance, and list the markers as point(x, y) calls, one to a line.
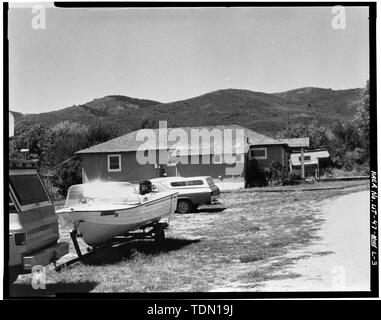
point(145, 187)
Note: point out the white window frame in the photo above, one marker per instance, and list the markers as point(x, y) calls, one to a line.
point(258, 149)
point(108, 163)
point(214, 159)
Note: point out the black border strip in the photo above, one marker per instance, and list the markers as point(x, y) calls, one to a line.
point(5, 146)
point(227, 4)
point(374, 269)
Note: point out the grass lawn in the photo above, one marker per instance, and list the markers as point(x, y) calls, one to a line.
point(234, 246)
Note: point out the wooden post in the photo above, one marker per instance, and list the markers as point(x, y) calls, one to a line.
point(302, 162)
point(318, 170)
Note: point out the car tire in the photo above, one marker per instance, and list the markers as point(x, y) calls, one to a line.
point(184, 206)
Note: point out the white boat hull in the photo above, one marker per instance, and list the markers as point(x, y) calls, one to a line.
point(101, 225)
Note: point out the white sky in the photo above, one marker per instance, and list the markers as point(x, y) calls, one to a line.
point(173, 54)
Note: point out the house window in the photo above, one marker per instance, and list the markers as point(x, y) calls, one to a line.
point(258, 153)
point(114, 163)
point(217, 158)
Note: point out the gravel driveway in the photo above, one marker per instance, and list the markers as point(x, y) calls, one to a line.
point(339, 260)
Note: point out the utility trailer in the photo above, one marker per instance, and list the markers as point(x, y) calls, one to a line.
point(154, 231)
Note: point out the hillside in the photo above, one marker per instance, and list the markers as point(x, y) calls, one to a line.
point(340, 102)
point(259, 111)
point(106, 109)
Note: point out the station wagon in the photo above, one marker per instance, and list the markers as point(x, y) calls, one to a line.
point(192, 191)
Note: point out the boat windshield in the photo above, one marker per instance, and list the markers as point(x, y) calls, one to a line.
point(104, 192)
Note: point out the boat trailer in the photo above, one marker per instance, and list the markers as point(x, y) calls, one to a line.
point(156, 232)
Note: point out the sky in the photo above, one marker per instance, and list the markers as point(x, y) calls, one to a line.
point(175, 54)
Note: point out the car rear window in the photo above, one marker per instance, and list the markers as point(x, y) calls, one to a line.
point(178, 184)
point(187, 183)
point(195, 183)
point(28, 189)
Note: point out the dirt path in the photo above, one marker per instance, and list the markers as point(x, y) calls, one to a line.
point(339, 260)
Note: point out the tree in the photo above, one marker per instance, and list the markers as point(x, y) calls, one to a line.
point(99, 132)
point(69, 138)
point(146, 123)
point(61, 142)
point(320, 136)
point(27, 136)
point(346, 148)
point(67, 175)
point(362, 119)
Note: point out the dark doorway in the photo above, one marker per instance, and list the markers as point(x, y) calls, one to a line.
point(254, 176)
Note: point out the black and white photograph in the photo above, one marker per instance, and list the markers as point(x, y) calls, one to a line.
point(213, 150)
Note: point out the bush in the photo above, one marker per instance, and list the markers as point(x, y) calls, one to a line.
point(274, 174)
point(67, 175)
point(291, 179)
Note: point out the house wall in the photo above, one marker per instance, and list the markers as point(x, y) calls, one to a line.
point(254, 173)
point(210, 169)
point(94, 166)
point(275, 153)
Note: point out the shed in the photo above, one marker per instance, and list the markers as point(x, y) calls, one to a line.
point(312, 161)
point(295, 145)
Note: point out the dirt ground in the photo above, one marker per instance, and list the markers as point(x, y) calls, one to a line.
point(252, 241)
point(339, 260)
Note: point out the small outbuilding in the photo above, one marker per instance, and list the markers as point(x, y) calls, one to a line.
point(298, 145)
point(314, 162)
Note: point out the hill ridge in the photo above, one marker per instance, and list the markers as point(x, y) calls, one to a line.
point(259, 111)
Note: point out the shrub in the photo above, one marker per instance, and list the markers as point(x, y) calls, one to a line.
point(291, 179)
point(274, 174)
point(67, 175)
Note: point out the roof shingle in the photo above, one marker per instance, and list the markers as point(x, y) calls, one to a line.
point(297, 142)
point(130, 141)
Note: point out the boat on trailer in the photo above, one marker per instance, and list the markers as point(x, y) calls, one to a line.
point(102, 211)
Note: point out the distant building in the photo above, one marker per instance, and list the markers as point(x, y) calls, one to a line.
point(314, 162)
point(116, 159)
